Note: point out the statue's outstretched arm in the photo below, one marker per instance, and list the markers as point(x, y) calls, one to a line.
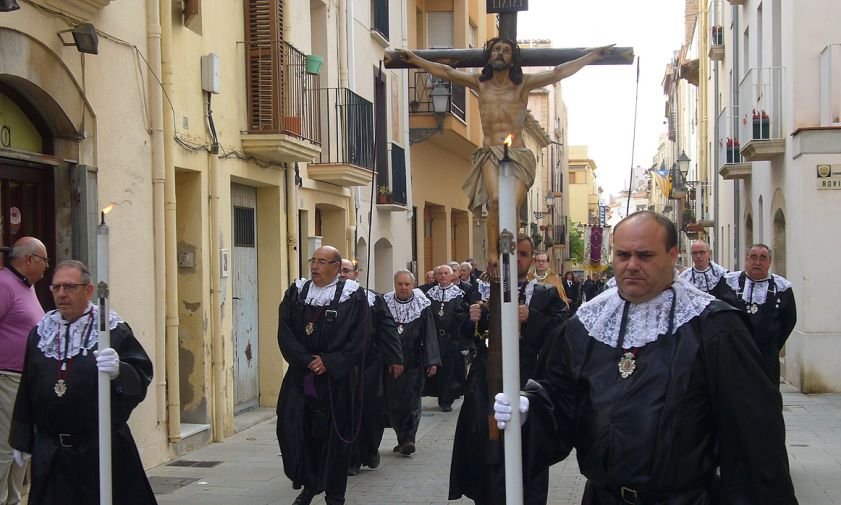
point(440, 70)
point(567, 69)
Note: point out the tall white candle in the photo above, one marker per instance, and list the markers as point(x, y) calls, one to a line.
point(104, 381)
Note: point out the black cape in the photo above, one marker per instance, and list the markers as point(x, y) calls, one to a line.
point(315, 414)
point(699, 399)
point(70, 475)
point(448, 384)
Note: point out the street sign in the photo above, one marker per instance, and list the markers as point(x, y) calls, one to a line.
point(829, 176)
point(505, 6)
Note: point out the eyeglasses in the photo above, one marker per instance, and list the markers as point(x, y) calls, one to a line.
point(754, 257)
point(347, 270)
point(68, 288)
point(42, 258)
point(320, 262)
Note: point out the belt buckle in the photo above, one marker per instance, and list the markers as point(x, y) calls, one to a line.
point(61, 437)
point(628, 495)
point(442, 333)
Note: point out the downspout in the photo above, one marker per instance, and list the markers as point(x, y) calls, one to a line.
point(734, 99)
point(156, 114)
point(341, 21)
point(292, 223)
point(171, 239)
point(703, 106)
point(716, 160)
point(404, 117)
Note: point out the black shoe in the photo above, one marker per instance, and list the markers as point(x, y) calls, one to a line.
point(332, 500)
point(408, 449)
point(397, 448)
point(374, 462)
point(304, 498)
point(446, 408)
point(353, 470)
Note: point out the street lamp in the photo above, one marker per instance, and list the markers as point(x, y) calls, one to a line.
point(550, 203)
point(8, 5)
point(683, 164)
point(440, 96)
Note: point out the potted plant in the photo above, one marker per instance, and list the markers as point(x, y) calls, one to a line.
point(384, 194)
point(718, 35)
point(687, 216)
point(414, 106)
point(761, 130)
point(733, 154)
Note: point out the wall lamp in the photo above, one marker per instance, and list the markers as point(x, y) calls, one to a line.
point(440, 97)
point(550, 202)
point(84, 38)
point(8, 5)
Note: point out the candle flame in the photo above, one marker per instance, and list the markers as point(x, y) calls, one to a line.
point(508, 140)
point(107, 209)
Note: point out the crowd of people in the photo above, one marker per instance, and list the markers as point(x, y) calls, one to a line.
point(663, 381)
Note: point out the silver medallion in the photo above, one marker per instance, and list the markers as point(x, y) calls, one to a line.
point(753, 309)
point(399, 328)
point(627, 365)
point(441, 310)
point(60, 388)
point(309, 329)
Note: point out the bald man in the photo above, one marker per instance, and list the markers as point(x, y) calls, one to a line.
point(704, 274)
point(322, 336)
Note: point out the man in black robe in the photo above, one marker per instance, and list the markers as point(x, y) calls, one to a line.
point(593, 286)
point(450, 312)
point(705, 274)
point(56, 413)
point(383, 351)
point(767, 299)
point(572, 288)
point(322, 335)
point(416, 328)
point(657, 385)
point(477, 469)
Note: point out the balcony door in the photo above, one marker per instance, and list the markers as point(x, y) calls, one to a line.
point(381, 131)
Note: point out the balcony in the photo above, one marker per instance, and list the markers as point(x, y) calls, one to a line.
point(282, 104)
point(730, 161)
point(715, 22)
point(761, 124)
point(347, 127)
point(423, 123)
point(396, 199)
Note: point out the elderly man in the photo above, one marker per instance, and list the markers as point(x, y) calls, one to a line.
point(767, 299)
point(322, 336)
point(468, 284)
point(19, 313)
point(431, 279)
point(421, 358)
point(705, 273)
point(55, 415)
point(657, 385)
point(541, 313)
point(449, 312)
point(544, 275)
point(383, 350)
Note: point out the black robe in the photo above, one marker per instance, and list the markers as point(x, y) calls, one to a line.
point(70, 475)
point(316, 415)
point(482, 480)
point(448, 384)
point(384, 349)
point(771, 323)
point(699, 399)
point(419, 341)
point(573, 293)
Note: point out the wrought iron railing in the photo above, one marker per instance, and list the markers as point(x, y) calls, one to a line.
point(830, 85)
point(281, 97)
point(398, 175)
point(729, 145)
point(559, 235)
point(380, 15)
point(761, 104)
point(420, 94)
point(347, 128)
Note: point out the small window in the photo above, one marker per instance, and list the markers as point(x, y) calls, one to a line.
point(244, 227)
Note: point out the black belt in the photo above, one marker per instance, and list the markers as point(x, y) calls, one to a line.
point(633, 496)
point(71, 439)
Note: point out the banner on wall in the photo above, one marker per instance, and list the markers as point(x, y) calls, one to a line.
point(596, 241)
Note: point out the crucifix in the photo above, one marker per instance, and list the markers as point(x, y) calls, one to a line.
point(503, 170)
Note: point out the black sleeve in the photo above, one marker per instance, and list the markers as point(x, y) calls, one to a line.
point(22, 430)
point(341, 359)
point(429, 339)
point(386, 338)
point(788, 318)
point(748, 411)
point(292, 349)
point(545, 311)
point(129, 387)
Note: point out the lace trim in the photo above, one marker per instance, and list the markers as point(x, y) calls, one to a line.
point(484, 289)
point(319, 297)
point(530, 290)
point(439, 294)
point(704, 280)
point(602, 316)
point(406, 311)
point(755, 292)
point(371, 297)
point(53, 324)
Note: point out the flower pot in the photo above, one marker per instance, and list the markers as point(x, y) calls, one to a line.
point(761, 129)
point(313, 65)
point(733, 155)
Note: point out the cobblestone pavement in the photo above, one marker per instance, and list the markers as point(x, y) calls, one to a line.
point(250, 472)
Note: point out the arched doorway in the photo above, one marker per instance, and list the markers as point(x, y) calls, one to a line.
point(748, 232)
point(779, 243)
point(384, 269)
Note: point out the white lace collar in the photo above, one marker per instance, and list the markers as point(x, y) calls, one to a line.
point(84, 334)
point(484, 289)
point(439, 294)
point(704, 280)
point(372, 297)
point(529, 287)
point(320, 297)
point(602, 316)
point(755, 291)
point(406, 311)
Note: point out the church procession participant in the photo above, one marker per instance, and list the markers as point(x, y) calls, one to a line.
point(705, 273)
point(656, 385)
point(450, 312)
point(382, 352)
point(544, 275)
point(768, 301)
point(572, 288)
point(416, 329)
point(541, 313)
point(472, 293)
point(322, 336)
point(56, 412)
point(593, 286)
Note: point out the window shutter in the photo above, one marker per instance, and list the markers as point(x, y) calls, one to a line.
point(264, 61)
point(439, 32)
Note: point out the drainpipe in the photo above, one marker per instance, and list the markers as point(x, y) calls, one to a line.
point(716, 160)
point(292, 223)
point(171, 244)
point(404, 116)
point(342, 39)
point(156, 113)
point(734, 98)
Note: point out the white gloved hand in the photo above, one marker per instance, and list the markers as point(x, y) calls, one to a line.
point(108, 361)
point(502, 410)
point(20, 457)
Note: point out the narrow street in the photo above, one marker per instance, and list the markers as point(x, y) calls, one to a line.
point(250, 471)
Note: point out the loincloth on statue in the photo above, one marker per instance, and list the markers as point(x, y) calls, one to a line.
point(525, 167)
